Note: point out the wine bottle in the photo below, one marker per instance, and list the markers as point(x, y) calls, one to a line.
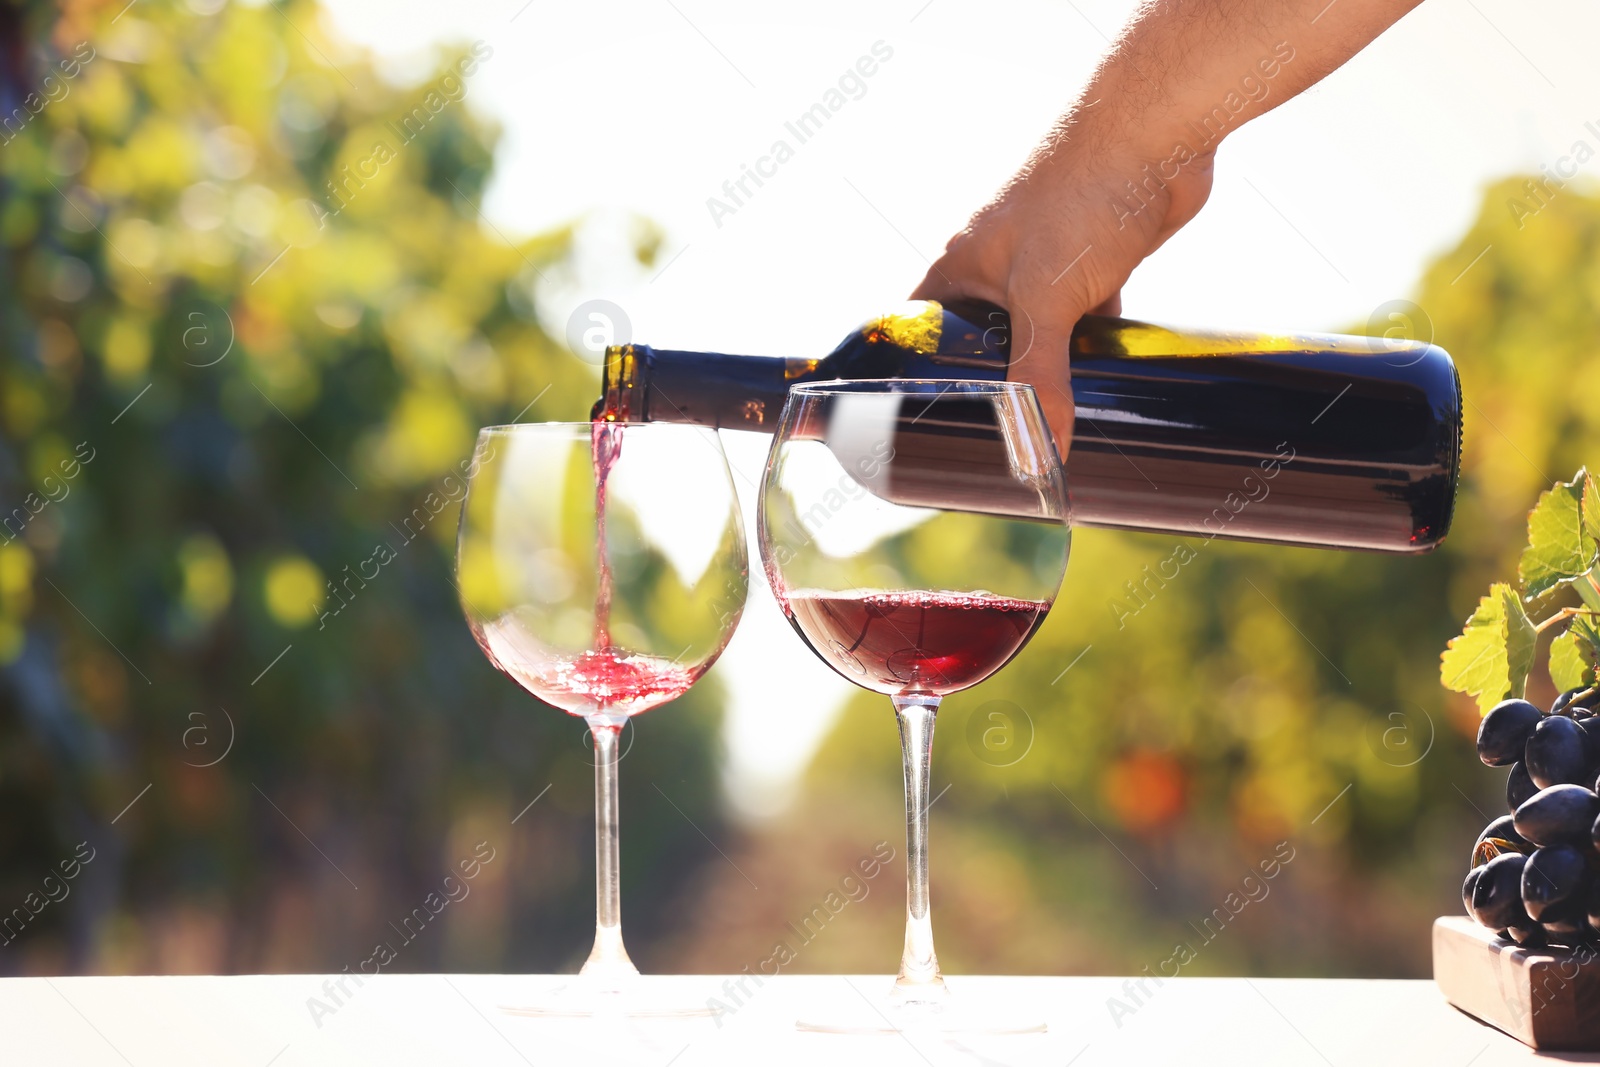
point(1318, 440)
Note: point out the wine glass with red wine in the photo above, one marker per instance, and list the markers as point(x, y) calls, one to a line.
point(603, 568)
point(915, 535)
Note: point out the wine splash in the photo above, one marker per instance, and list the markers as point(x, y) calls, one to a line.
point(607, 681)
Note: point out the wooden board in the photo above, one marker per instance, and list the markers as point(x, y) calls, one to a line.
point(1548, 998)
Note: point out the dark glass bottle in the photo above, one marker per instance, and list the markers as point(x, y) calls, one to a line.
point(1323, 440)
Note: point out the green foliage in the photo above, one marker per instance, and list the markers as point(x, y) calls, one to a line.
point(1558, 550)
point(250, 330)
point(1574, 654)
point(1492, 657)
point(1196, 720)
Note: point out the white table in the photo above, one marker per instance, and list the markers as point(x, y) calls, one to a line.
point(262, 1020)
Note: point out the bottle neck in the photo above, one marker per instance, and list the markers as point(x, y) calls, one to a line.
point(644, 384)
point(922, 340)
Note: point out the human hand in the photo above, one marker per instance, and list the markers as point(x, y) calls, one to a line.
point(1060, 240)
point(1131, 164)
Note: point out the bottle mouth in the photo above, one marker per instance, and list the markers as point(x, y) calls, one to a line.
point(621, 400)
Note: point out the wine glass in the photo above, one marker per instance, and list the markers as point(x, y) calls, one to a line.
point(601, 566)
point(915, 535)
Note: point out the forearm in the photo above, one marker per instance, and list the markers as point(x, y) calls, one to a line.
point(1190, 72)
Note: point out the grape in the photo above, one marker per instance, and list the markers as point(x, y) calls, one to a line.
point(1565, 923)
point(1566, 701)
point(1499, 837)
point(1469, 885)
point(1593, 910)
point(1550, 877)
point(1529, 934)
point(1557, 752)
point(1591, 730)
point(1505, 730)
point(1519, 787)
point(1496, 896)
point(1560, 815)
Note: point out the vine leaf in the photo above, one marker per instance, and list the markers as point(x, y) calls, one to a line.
point(1560, 544)
point(1591, 508)
point(1492, 656)
point(1574, 654)
point(1521, 636)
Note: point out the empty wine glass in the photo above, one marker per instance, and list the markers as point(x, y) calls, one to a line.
point(915, 535)
point(603, 568)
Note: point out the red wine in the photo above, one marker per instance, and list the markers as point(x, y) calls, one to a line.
point(605, 448)
point(1339, 442)
point(608, 681)
point(918, 642)
point(603, 679)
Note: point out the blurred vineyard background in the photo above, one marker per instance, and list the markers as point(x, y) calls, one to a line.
point(275, 342)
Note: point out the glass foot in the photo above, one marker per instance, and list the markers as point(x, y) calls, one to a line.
point(580, 999)
point(863, 1010)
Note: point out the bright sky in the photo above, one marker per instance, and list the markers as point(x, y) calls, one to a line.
point(1323, 210)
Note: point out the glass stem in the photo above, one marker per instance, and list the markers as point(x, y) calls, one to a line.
point(919, 968)
point(608, 962)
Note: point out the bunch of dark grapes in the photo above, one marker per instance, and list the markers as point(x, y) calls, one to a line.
point(1535, 874)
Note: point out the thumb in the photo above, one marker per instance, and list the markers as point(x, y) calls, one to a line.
point(1041, 347)
point(1044, 365)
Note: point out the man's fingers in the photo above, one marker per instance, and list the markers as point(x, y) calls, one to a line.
point(1051, 381)
point(1039, 345)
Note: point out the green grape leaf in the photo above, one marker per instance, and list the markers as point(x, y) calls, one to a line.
point(1591, 509)
point(1568, 666)
point(1558, 549)
point(1521, 636)
point(1573, 654)
point(1494, 652)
